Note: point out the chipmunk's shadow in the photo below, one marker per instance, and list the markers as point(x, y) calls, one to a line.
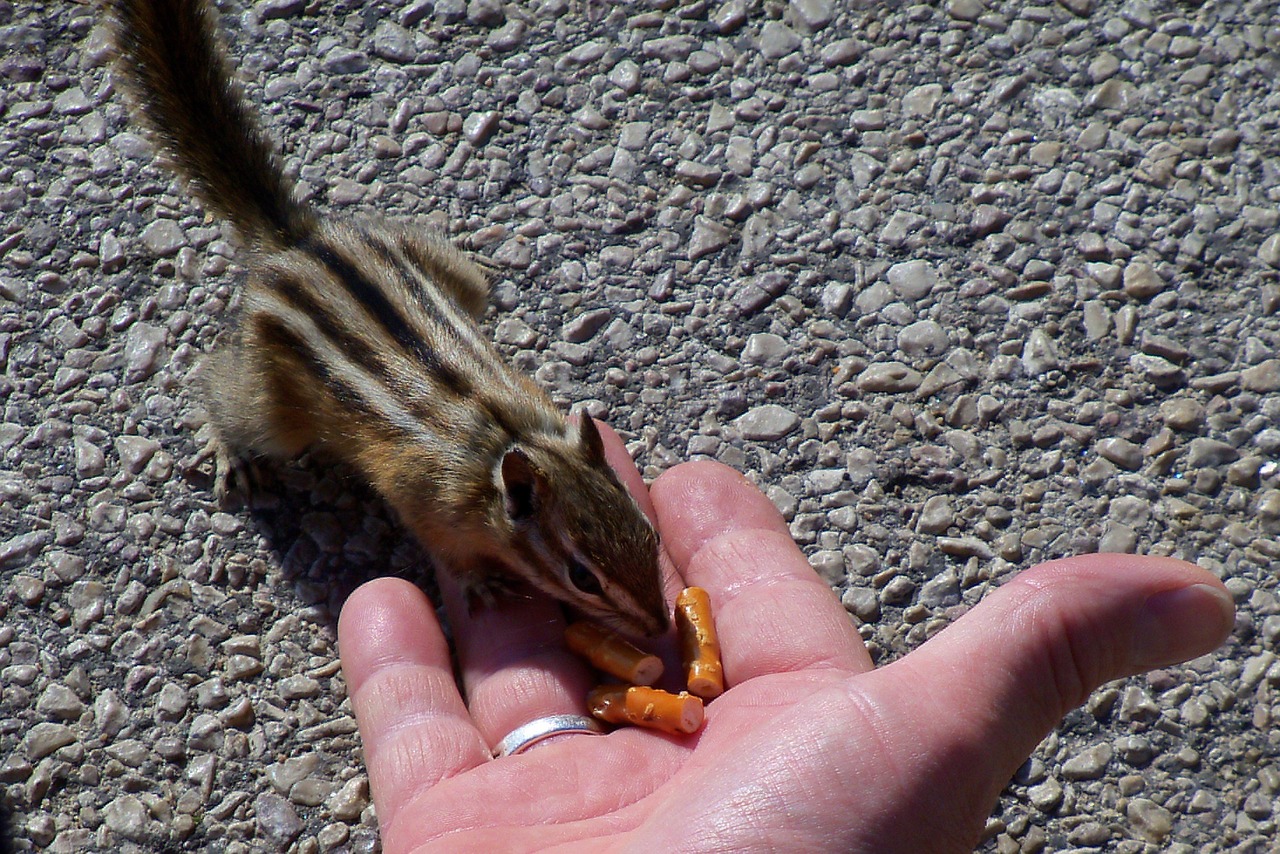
point(6, 827)
point(328, 533)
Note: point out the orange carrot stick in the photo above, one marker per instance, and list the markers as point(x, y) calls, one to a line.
point(647, 707)
point(699, 646)
point(612, 654)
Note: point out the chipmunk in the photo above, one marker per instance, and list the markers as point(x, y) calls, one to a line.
point(362, 339)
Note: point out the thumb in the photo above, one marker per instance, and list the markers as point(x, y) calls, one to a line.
point(982, 694)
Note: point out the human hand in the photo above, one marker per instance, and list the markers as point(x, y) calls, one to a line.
point(810, 749)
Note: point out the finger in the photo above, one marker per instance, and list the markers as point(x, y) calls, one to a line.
point(514, 663)
point(413, 723)
point(773, 613)
point(982, 694)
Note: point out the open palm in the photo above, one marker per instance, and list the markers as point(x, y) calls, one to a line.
point(810, 749)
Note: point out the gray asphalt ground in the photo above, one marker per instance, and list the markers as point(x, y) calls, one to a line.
point(963, 286)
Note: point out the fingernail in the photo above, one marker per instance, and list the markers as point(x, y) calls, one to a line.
point(1178, 625)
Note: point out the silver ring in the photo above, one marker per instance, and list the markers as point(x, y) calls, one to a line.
point(527, 735)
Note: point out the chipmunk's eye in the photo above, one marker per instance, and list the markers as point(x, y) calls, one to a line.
point(583, 578)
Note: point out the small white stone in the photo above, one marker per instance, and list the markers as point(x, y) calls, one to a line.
point(45, 737)
point(127, 816)
point(912, 280)
point(767, 423)
point(164, 237)
point(765, 348)
point(1142, 281)
point(478, 127)
point(1269, 251)
point(777, 40)
point(1088, 764)
point(142, 348)
point(889, 377)
point(922, 100)
point(814, 14)
point(708, 237)
point(1039, 355)
point(936, 516)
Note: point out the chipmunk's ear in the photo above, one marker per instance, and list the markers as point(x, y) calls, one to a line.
point(589, 435)
point(522, 484)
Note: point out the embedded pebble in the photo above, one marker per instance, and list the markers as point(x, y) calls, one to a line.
point(708, 237)
point(1039, 354)
point(285, 775)
point(1088, 764)
point(1118, 538)
point(276, 818)
point(766, 423)
point(1152, 821)
point(586, 325)
point(127, 816)
point(1263, 377)
point(965, 10)
point(940, 591)
point(349, 801)
point(1122, 452)
point(341, 61)
point(1142, 281)
point(923, 338)
point(298, 686)
point(163, 237)
point(44, 738)
point(912, 279)
point(815, 14)
point(964, 547)
point(1269, 251)
point(135, 452)
point(936, 516)
point(889, 377)
point(143, 346)
point(1203, 451)
point(1182, 413)
point(478, 127)
point(777, 40)
point(59, 701)
point(1047, 796)
point(764, 348)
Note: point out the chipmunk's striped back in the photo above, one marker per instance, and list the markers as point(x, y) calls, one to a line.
point(363, 313)
point(361, 339)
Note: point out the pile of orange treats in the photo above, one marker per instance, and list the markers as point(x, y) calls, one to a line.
point(636, 702)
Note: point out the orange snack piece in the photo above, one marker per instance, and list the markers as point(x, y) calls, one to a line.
point(647, 707)
point(699, 646)
point(613, 654)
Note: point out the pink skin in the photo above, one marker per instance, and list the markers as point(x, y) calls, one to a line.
point(811, 749)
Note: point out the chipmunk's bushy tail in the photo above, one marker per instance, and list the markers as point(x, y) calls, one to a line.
point(182, 89)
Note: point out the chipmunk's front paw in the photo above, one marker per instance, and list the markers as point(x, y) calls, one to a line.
point(486, 590)
point(235, 474)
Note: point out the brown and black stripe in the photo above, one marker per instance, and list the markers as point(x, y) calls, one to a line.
point(387, 340)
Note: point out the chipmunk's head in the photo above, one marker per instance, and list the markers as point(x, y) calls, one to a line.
point(579, 534)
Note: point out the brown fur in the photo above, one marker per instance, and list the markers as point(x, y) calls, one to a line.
point(361, 339)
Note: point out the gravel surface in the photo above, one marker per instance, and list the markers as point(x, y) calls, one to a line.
point(963, 286)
